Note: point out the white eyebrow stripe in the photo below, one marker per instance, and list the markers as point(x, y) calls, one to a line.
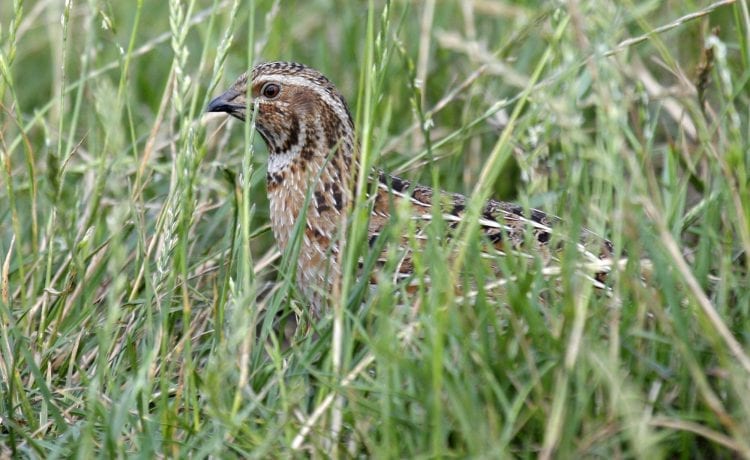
point(337, 104)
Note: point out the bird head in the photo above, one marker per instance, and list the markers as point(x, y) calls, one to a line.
point(299, 111)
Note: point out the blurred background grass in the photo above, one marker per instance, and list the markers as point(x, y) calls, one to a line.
point(137, 279)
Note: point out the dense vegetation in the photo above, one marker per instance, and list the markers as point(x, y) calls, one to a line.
point(144, 309)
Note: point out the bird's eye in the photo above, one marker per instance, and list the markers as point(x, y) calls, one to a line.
point(270, 90)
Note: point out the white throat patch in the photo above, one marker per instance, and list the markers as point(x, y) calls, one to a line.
point(280, 160)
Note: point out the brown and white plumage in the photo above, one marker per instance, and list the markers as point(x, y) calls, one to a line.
point(310, 134)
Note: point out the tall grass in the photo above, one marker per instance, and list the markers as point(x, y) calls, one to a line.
point(145, 311)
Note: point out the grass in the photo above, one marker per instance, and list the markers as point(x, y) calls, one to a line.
point(143, 302)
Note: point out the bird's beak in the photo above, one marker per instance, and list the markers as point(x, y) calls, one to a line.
point(231, 102)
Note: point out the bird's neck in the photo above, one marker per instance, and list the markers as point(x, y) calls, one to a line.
point(318, 169)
